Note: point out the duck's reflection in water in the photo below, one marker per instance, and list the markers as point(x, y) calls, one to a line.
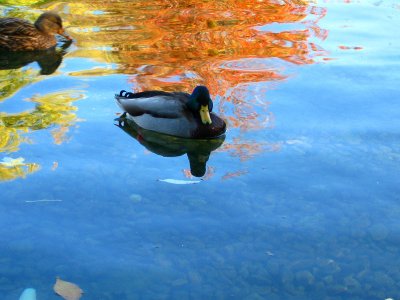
point(48, 60)
point(198, 150)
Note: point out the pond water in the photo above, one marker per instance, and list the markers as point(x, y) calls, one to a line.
point(300, 201)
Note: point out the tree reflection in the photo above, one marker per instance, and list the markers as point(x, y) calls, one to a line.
point(233, 47)
point(16, 169)
point(13, 80)
point(51, 110)
point(238, 49)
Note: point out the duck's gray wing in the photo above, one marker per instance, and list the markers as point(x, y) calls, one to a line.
point(159, 106)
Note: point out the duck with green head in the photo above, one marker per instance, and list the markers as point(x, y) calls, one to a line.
point(20, 35)
point(178, 114)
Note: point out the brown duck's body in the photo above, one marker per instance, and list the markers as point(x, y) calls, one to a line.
point(20, 35)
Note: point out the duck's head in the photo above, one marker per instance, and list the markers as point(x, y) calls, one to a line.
point(50, 23)
point(200, 101)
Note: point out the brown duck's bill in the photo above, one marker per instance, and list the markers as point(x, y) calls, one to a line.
point(205, 115)
point(62, 33)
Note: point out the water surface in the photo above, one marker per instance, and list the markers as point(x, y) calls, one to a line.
point(301, 200)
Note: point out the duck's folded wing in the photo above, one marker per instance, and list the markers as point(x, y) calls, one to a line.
point(16, 28)
point(161, 106)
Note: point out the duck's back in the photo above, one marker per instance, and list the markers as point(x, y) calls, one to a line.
point(159, 111)
point(20, 35)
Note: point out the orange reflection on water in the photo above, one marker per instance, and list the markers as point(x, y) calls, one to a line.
point(234, 174)
point(238, 49)
point(342, 47)
point(247, 149)
point(169, 45)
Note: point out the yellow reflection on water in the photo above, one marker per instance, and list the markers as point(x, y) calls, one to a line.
point(54, 109)
point(16, 168)
point(13, 80)
point(51, 110)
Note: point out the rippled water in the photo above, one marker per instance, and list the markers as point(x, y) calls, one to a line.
point(300, 201)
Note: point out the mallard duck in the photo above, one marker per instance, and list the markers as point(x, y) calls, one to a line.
point(177, 114)
point(21, 35)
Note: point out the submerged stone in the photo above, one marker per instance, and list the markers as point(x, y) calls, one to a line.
point(305, 277)
point(378, 232)
point(351, 283)
point(135, 198)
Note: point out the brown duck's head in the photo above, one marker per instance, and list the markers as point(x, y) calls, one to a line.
point(50, 23)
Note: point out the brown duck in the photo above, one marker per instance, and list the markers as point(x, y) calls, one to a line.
point(20, 35)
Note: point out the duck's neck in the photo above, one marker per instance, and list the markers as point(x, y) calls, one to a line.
point(193, 104)
point(39, 27)
point(200, 96)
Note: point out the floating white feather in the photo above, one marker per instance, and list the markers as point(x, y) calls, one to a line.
point(178, 181)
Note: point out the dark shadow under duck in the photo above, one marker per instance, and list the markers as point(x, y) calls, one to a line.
point(48, 60)
point(177, 114)
point(21, 35)
point(198, 151)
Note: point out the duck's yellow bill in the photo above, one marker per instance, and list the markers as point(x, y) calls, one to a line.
point(205, 115)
